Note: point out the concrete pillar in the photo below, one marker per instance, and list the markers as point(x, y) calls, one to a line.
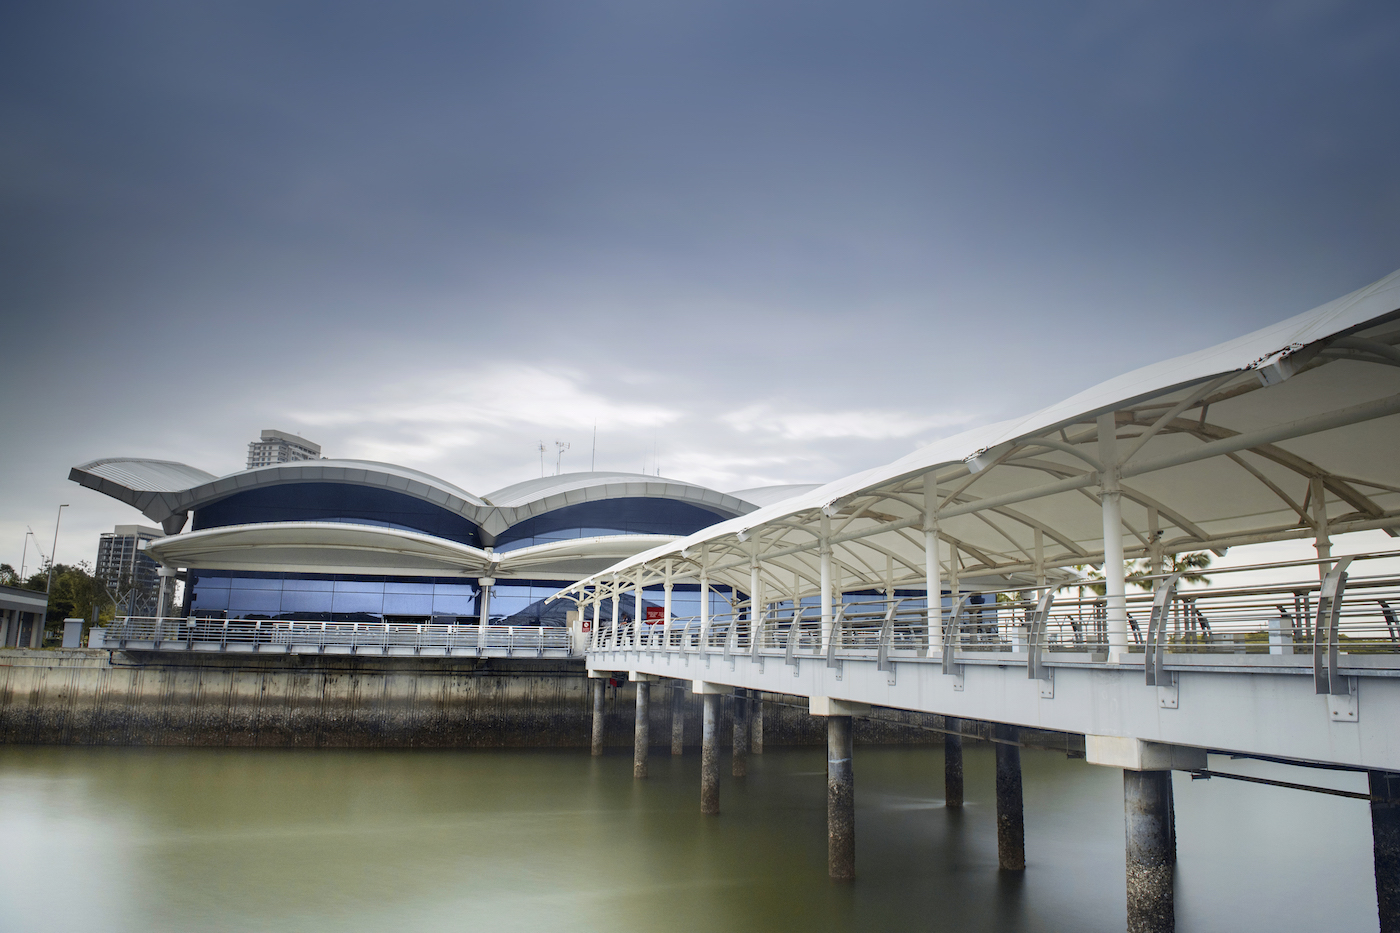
point(741, 733)
point(756, 723)
point(1385, 843)
point(709, 756)
point(1147, 807)
point(952, 764)
point(1011, 821)
point(641, 732)
point(840, 800)
point(599, 686)
point(677, 720)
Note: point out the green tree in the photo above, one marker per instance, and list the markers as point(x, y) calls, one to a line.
point(1189, 565)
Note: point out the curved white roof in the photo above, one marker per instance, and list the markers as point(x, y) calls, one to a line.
point(1269, 436)
point(166, 491)
point(767, 495)
point(343, 547)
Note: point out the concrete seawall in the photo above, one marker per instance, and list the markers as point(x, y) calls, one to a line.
point(93, 697)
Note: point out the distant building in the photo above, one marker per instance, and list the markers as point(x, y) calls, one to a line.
point(280, 447)
point(122, 562)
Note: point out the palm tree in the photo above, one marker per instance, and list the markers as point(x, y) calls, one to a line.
point(1188, 565)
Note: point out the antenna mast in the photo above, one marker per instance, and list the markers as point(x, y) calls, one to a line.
point(558, 462)
point(541, 459)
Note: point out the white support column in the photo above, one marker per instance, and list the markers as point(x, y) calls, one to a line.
point(826, 579)
point(484, 616)
point(596, 603)
point(615, 601)
point(704, 597)
point(1322, 538)
point(666, 611)
point(1115, 589)
point(755, 592)
point(933, 571)
point(639, 613)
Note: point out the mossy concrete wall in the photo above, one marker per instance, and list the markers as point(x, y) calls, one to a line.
point(96, 697)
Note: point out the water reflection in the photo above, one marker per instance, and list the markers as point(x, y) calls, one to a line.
point(235, 840)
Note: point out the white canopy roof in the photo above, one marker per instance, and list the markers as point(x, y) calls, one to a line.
point(166, 492)
point(1283, 433)
point(341, 547)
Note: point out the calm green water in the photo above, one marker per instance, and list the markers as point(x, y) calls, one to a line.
point(243, 840)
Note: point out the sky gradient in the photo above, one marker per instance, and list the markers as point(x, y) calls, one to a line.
point(753, 243)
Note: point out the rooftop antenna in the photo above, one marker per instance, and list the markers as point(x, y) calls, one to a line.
point(541, 459)
point(593, 460)
point(656, 455)
point(558, 462)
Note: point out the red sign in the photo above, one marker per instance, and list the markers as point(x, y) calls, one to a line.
point(587, 624)
point(654, 614)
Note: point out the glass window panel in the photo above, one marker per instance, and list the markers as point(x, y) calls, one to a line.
point(357, 602)
point(255, 583)
point(216, 598)
point(302, 601)
point(315, 586)
point(244, 601)
point(408, 604)
point(454, 605)
point(214, 583)
point(393, 586)
point(508, 605)
point(359, 586)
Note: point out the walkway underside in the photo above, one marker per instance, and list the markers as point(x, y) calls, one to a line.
point(1256, 705)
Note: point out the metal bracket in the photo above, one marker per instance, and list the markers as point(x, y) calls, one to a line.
point(1329, 610)
point(1035, 641)
point(1344, 706)
point(1168, 690)
point(958, 682)
point(794, 634)
point(882, 653)
point(1156, 646)
point(756, 632)
point(1047, 684)
point(834, 639)
point(951, 636)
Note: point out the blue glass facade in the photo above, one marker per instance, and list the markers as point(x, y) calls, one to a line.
point(336, 502)
point(609, 517)
point(368, 598)
point(339, 597)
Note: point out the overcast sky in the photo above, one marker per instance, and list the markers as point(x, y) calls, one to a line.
point(753, 242)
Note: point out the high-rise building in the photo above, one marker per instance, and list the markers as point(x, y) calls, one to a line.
point(280, 447)
point(122, 563)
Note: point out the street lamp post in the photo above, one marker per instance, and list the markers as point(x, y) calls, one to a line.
point(48, 586)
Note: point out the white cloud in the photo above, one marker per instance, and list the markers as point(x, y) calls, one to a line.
point(864, 424)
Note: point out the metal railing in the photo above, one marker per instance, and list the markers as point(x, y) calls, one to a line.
point(1347, 614)
point(310, 637)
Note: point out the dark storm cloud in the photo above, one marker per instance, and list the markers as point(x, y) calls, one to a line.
point(757, 241)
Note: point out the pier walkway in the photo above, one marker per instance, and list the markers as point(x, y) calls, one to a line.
point(937, 583)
